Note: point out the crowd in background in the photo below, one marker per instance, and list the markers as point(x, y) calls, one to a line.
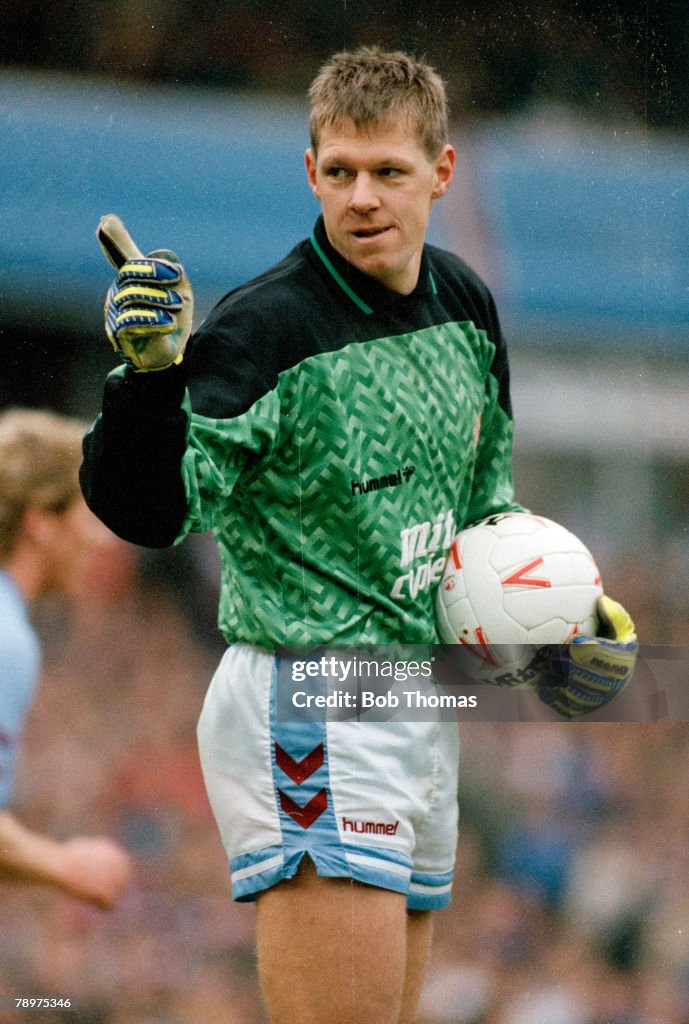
point(625, 60)
point(570, 906)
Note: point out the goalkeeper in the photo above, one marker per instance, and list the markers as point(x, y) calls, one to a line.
point(333, 422)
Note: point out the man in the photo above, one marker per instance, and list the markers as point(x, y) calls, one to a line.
point(47, 535)
point(325, 416)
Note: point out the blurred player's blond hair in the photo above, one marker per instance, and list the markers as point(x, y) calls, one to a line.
point(372, 88)
point(40, 455)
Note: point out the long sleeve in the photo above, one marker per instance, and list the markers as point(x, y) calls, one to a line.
point(493, 488)
point(131, 474)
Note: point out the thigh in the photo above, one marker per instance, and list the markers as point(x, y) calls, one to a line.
point(419, 936)
point(331, 951)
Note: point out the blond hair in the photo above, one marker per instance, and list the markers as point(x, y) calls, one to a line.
point(40, 455)
point(372, 87)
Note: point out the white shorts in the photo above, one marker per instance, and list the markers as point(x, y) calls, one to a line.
point(375, 801)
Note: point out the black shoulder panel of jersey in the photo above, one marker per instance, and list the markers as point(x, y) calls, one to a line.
point(299, 308)
point(251, 335)
point(457, 277)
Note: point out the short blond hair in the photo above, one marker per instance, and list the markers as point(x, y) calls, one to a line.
point(40, 455)
point(372, 88)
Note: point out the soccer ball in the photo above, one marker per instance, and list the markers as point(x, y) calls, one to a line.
point(513, 584)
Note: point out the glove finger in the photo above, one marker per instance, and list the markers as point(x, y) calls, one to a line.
point(614, 661)
point(582, 695)
point(134, 294)
point(147, 271)
point(140, 321)
point(116, 242)
point(554, 668)
point(566, 707)
point(164, 254)
point(615, 621)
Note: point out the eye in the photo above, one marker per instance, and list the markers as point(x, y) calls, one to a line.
point(336, 173)
point(390, 172)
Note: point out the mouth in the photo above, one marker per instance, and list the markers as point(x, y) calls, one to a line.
point(370, 232)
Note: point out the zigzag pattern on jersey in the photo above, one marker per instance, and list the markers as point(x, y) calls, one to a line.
point(218, 452)
point(278, 479)
point(493, 480)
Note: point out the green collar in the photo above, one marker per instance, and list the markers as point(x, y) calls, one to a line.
point(369, 285)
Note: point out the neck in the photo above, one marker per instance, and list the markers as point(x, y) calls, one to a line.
point(26, 575)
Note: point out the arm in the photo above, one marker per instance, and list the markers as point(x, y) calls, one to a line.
point(154, 468)
point(492, 488)
point(131, 476)
point(92, 869)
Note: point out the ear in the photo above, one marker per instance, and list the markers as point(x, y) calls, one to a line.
point(310, 162)
point(443, 171)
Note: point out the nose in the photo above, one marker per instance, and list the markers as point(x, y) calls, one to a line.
point(363, 197)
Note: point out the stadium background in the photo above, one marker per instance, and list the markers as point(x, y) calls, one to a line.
point(572, 198)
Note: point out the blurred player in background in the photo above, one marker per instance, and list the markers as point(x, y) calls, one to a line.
point(47, 537)
point(333, 422)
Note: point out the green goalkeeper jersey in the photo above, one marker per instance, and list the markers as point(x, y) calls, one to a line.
point(332, 434)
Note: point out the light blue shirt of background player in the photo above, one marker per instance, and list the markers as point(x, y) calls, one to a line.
point(20, 665)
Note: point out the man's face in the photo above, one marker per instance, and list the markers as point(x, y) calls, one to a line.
point(69, 541)
point(376, 189)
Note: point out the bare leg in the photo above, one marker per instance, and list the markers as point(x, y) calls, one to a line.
point(419, 935)
point(333, 951)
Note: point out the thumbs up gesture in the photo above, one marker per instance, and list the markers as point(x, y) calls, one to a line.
point(149, 306)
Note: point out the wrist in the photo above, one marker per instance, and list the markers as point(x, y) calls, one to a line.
point(27, 856)
point(159, 392)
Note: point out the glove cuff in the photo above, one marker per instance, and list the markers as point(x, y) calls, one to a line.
point(161, 391)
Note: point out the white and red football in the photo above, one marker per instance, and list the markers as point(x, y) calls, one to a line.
point(514, 582)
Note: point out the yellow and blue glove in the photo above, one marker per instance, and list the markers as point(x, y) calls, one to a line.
point(590, 671)
point(149, 307)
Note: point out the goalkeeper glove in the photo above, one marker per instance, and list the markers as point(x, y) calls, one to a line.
point(149, 307)
point(590, 671)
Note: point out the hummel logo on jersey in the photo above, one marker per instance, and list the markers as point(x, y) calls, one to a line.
point(376, 828)
point(381, 482)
